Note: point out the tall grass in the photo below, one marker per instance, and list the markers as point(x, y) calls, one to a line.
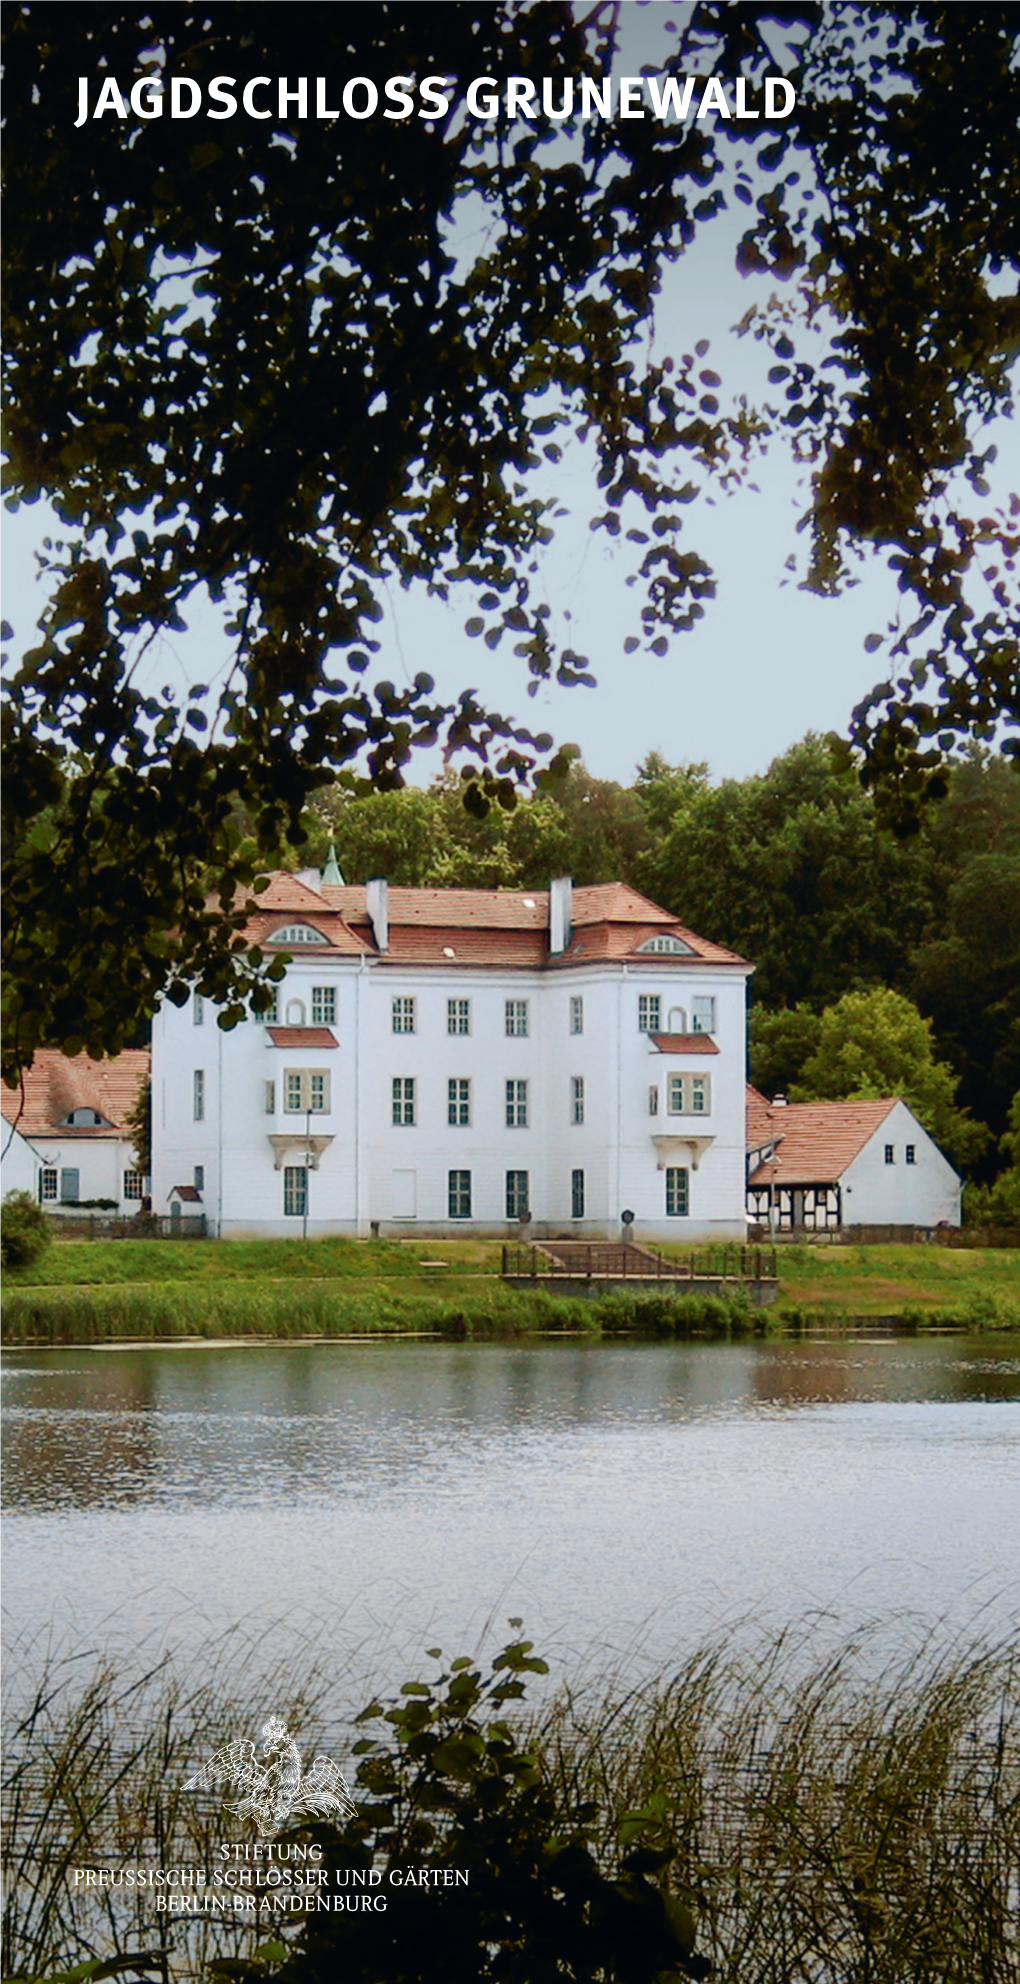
point(93, 1775)
point(173, 1310)
point(833, 1825)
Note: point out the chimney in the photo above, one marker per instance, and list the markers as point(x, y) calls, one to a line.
point(377, 902)
point(779, 1102)
point(561, 903)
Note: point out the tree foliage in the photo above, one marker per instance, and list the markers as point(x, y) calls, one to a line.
point(999, 1204)
point(780, 1042)
point(447, 1781)
point(877, 1043)
point(280, 367)
point(139, 1122)
point(590, 828)
point(793, 870)
point(965, 974)
point(25, 1231)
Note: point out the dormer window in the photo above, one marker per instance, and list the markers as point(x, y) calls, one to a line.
point(86, 1119)
point(297, 933)
point(665, 946)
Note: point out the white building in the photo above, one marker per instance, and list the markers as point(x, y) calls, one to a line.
point(820, 1165)
point(443, 1060)
point(67, 1138)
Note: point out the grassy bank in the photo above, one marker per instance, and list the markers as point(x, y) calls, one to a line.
point(89, 1291)
point(173, 1311)
point(814, 1823)
point(104, 1263)
point(979, 1285)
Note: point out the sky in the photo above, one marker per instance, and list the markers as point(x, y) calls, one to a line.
point(766, 664)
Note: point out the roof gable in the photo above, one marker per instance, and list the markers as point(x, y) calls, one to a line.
point(286, 892)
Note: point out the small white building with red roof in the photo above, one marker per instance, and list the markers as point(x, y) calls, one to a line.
point(67, 1133)
point(442, 1060)
point(820, 1165)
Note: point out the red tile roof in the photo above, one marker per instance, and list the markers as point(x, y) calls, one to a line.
point(286, 892)
point(56, 1084)
point(521, 949)
point(302, 1036)
point(617, 941)
point(615, 902)
point(449, 909)
point(816, 1141)
point(684, 1043)
point(608, 921)
point(262, 928)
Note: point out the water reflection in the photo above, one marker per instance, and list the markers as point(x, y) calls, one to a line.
point(122, 1428)
point(622, 1495)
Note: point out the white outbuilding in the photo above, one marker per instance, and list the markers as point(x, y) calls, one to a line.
point(68, 1138)
point(822, 1165)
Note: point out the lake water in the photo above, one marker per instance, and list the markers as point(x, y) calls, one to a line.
point(626, 1500)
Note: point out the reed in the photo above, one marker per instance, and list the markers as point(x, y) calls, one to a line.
point(94, 1767)
point(832, 1824)
point(172, 1311)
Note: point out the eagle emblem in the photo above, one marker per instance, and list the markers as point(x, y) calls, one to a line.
point(272, 1785)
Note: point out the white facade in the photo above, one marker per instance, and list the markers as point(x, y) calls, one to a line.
point(64, 1174)
point(445, 1094)
point(901, 1178)
point(20, 1164)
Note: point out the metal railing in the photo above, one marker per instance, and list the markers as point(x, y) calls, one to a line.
point(579, 1260)
point(140, 1226)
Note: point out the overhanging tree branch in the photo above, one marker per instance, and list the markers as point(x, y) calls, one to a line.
point(351, 393)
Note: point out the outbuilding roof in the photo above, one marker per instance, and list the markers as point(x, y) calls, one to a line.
point(57, 1084)
point(815, 1141)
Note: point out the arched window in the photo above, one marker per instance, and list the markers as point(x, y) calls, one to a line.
point(677, 1021)
point(295, 1012)
point(666, 946)
point(297, 933)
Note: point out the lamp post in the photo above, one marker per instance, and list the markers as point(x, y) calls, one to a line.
point(774, 1162)
point(773, 1209)
point(308, 1166)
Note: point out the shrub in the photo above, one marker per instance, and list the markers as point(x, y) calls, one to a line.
point(674, 1315)
point(25, 1231)
point(453, 1784)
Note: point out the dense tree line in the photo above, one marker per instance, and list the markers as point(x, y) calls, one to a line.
point(794, 870)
